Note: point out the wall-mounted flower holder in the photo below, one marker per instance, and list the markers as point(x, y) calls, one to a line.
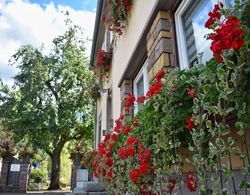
point(103, 65)
point(116, 15)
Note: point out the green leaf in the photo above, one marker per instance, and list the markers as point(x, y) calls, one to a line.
point(224, 192)
point(208, 124)
point(206, 88)
point(219, 142)
point(230, 141)
point(244, 185)
point(246, 170)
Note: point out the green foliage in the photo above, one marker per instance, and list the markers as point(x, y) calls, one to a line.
point(66, 165)
point(50, 102)
point(221, 92)
point(50, 98)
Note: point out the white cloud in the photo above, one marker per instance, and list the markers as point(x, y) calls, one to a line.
point(22, 22)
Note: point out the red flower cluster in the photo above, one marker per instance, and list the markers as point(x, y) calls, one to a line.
point(172, 184)
point(191, 182)
point(144, 154)
point(127, 129)
point(125, 152)
point(141, 99)
point(160, 74)
point(129, 101)
point(189, 123)
point(132, 141)
point(135, 122)
point(118, 124)
point(103, 64)
point(227, 35)
point(137, 173)
point(116, 14)
point(191, 93)
point(156, 87)
point(215, 15)
point(102, 161)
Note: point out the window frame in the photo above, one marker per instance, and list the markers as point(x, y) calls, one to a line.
point(143, 72)
point(181, 41)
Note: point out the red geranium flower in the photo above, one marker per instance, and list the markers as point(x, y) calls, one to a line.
point(114, 137)
point(227, 35)
point(129, 101)
point(191, 93)
point(214, 15)
point(189, 123)
point(134, 175)
point(135, 122)
point(131, 141)
point(160, 74)
point(130, 152)
point(191, 182)
point(172, 183)
point(109, 162)
point(127, 129)
point(141, 99)
point(143, 168)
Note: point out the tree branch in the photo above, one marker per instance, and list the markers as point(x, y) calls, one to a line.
point(52, 90)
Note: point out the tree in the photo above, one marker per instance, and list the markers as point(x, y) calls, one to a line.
point(50, 102)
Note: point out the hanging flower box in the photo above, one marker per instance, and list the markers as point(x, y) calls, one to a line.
point(116, 14)
point(103, 64)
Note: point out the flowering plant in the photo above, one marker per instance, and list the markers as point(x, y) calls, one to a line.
point(116, 14)
point(103, 64)
point(186, 110)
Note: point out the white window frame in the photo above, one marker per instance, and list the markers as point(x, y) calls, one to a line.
point(143, 72)
point(181, 41)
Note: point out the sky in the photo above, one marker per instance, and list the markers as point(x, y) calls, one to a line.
point(37, 22)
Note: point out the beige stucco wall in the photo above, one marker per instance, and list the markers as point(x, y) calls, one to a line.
point(122, 52)
point(125, 46)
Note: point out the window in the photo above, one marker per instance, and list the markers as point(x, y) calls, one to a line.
point(109, 114)
point(140, 84)
point(106, 45)
point(107, 40)
point(190, 30)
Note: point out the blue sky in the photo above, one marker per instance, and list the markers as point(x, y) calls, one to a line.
point(75, 4)
point(37, 22)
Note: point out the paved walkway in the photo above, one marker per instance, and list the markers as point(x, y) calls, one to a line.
point(38, 192)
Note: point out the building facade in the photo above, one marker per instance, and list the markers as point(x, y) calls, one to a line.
point(158, 35)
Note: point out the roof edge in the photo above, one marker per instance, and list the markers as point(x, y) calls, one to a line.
point(96, 30)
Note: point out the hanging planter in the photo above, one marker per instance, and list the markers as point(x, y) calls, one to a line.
point(103, 64)
point(116, 15)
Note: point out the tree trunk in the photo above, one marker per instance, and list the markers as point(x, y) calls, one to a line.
point(55, 169)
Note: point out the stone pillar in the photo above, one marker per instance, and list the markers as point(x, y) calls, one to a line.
point(4, 173)
point(76, 165)
point(125, 89)
point(24, 174)
point(160, 45)
point(21, 175)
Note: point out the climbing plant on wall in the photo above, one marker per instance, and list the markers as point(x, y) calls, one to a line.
point(196, 118)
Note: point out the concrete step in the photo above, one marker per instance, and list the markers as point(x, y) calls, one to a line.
point(88, 193)
point(37, 193)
